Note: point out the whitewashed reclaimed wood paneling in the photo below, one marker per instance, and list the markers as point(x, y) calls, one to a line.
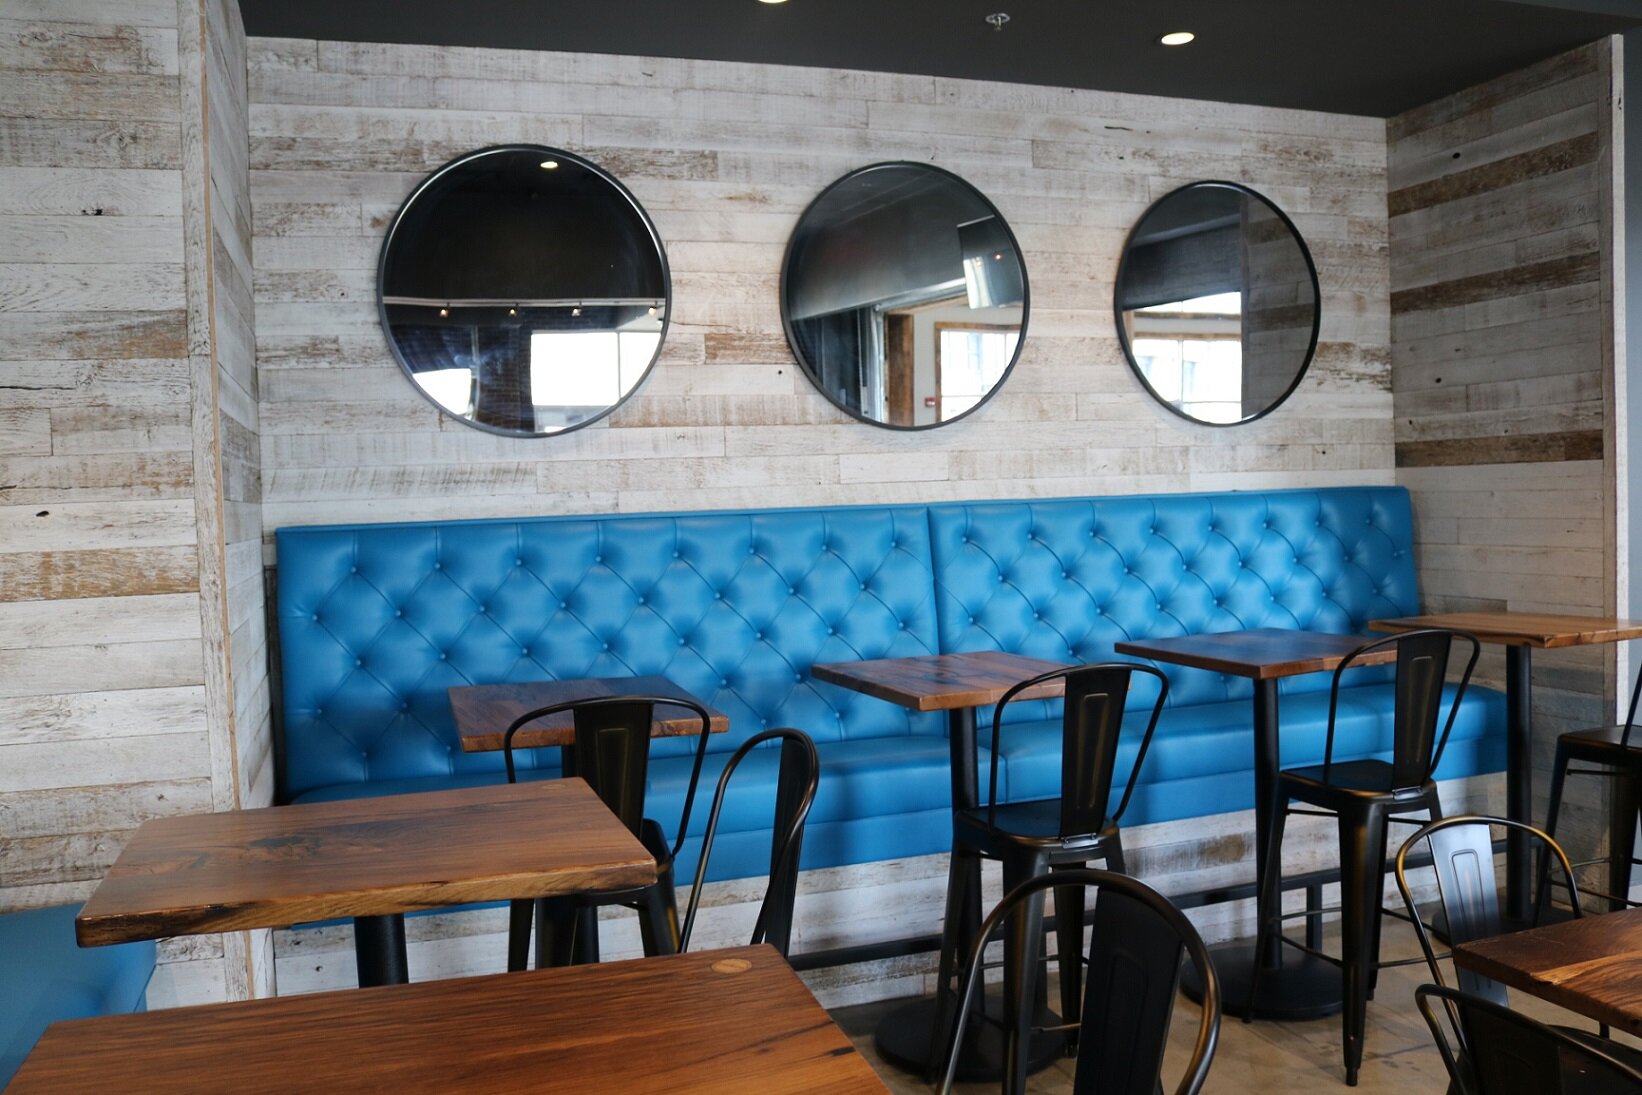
point(124, 595)
point(1502, 215)
point(725, 157)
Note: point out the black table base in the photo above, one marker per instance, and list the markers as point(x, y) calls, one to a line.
point(379, 950)
point(1303, 987)
point(903, 1038)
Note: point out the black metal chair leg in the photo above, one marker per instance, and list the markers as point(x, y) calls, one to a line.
point(1069, 948)
point(519, 917)
point(1268, 902)
point(955, 944)
point(555, 932)
point(1622, 814)
point(1362, 881)
point(1022, 947)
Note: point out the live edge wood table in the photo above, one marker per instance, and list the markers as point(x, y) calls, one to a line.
point(1592, 965)
point(1520, 633)
point(1306, 988)
point(721, 1021)
point(373, 859)
point(956, 684)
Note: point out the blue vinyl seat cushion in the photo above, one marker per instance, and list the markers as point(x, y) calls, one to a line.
point(46, 977)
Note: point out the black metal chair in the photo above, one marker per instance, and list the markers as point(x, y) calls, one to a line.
point(1365, 796)
point(1047, 836)
point(1135, 951)
point(612, 753)
point(1500, 1052)
point(796, 782)
point(1615, 747)
point(1462, 856)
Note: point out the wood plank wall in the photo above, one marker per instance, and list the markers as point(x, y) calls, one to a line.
point(1502, 216)
point(109, 611)
point(725, 157)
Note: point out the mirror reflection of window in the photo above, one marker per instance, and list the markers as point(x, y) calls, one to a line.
point(970, 361)
point(575, 375)
point(1218, 303)
point(452, 389)
point(882, 260)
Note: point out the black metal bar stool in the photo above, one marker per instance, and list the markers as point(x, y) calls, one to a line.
point(1365, 796)
point(1615, 747)
point(1043, 836)
point(612, 753)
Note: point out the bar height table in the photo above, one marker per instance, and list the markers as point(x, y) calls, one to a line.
point(372, 859)
point(1520, 633)
point(1311, 988)
point(956, 684)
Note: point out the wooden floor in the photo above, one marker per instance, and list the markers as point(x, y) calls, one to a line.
point(1273, 1058)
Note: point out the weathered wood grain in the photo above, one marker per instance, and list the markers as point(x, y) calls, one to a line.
point(112, 572)
point(749, 1024)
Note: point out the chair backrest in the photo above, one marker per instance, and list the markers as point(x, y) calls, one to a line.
point(1630, 715)
point(1506, 1053)
point(796, 782)
point(1422, 668)
point(1135, 950)
point(1462, 854)
point(1091, 726)
point(612, 750)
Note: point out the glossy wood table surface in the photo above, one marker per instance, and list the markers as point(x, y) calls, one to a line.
point(483, 712)
point(1264, 653)
point(1537, 629)
point(942, 682)
point(715, 1021)
point(1592, 965)
point(365, 857)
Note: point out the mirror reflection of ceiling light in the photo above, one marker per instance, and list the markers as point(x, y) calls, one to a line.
point(1177, 38)
point(997, 19)
point(772, 1)
point(549, 165)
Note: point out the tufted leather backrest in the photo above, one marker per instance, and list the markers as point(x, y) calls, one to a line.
point(377, 621)
point(1065, 579)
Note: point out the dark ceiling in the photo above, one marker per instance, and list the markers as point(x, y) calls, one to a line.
point(1377, 57)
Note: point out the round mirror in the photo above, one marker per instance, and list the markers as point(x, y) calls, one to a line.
point(523, 290)
point(904, 296)
point(1217, 303)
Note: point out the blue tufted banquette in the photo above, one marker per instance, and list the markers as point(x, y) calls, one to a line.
point(377, 621)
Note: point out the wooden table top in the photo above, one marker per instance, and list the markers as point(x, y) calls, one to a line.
point(1592, 965)
point(1263, 653)
point(716, 1021)
point(484, 711)
point(942, 682)
point(285, 865)
point(1540, 629)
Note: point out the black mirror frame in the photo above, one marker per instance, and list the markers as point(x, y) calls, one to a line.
point(786, 319)
point(1316, 317)
point(547, 152)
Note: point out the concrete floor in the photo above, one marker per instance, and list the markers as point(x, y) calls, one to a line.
point(1272, 1058)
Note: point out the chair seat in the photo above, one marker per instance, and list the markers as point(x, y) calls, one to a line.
point(1603, 745)
point(1023, 823)
point(1352, 780)
point(1617, 1050)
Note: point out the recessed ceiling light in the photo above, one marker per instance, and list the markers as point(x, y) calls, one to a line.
point(1177, 38)
point(772, 1)
point(549, 165)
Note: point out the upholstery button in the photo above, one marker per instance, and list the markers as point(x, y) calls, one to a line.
point(965, 540)
point(792, 591)
point(518, 562)
point(683, 642)
point(1037, 615)
point(404, 707)
point(353, 570)
point(725, 683)
point(483, 609)
point(319, 714)
point(641, 600)
point(863, 587)
point(607, 646)
point(799, 677)
point(359, 663)
point(676, 555)
point(438, 566)
point(444, 657)
point(564, 604)
point(832, 631)
point(718, 596)
point(399, 613)
point(524, 651)
point(759, 635)
point(1064, 575)
point(316, 617)
point(903, 625)
point(972, 619)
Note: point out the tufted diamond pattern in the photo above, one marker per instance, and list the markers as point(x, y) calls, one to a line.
point(377, 621)
point(1066, 579)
